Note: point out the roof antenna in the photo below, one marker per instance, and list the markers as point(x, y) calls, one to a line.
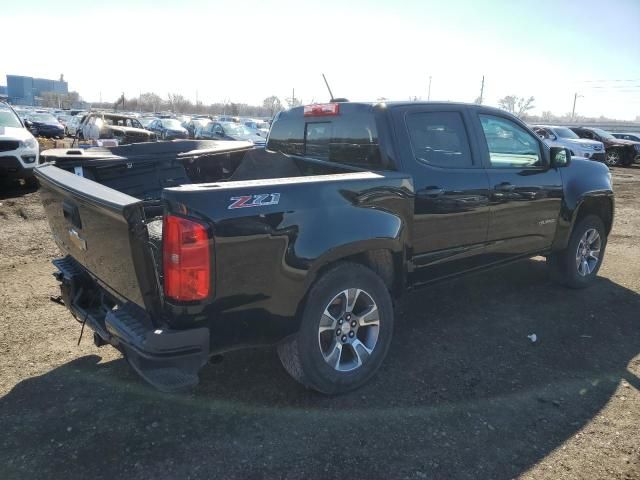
point(328, 87)
point(333, 99)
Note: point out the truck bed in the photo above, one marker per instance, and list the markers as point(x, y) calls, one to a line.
point(107, 213)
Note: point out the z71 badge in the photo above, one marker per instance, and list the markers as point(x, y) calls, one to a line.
point(259, 200)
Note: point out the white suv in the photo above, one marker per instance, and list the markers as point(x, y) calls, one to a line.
point(19, 150)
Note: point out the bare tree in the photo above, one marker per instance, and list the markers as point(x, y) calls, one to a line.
point(519, 106)
point(293, 102)
point(150, 102)
point(272, 104)
point(179, 103)
point(60, 100)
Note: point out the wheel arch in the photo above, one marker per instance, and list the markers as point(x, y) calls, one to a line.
point(383, 256)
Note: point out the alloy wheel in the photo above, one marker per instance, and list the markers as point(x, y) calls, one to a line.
point(349, 329)
point(588, 252)
point(612, 158)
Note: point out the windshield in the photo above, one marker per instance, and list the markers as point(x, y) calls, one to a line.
point(233, 129)
point(603, 134)
point(171, 123)
point(43, 117)
point(9, 119)
point(564, 132)
point(262, 126)
point(201, 122)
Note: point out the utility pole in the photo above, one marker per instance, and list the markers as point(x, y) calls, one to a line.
point(482, 90)
point(573, 111)
point(429, 92)
point(293, 97)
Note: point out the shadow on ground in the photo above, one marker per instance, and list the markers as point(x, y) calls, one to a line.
point(13, 189)
point(463, 394)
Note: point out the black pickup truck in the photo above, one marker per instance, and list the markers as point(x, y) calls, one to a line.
point(179, 251)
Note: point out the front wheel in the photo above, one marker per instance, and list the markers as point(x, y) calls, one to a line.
point(613, 158)
point(345, 331)
point(577, 265)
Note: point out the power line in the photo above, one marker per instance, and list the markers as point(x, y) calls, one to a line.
point(610, 80)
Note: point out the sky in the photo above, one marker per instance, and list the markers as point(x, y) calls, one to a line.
point(244, 51)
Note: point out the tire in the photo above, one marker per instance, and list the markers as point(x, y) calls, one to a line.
point(568, 266)
point(314, 358)
point(613, 157)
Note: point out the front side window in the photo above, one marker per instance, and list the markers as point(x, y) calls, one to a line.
point(510, 145)
point(439, 139)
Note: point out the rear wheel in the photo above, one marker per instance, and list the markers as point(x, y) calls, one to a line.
point(577, 265)
point(345, 331)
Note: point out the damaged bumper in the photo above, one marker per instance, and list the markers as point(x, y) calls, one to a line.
point(166, 358)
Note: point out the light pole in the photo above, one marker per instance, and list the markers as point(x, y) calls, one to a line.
point(429, 92)
point(573, 111)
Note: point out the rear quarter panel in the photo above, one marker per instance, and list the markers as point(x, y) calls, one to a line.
point(266, 257)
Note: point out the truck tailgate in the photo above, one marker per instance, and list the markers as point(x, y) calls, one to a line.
point(103, 230)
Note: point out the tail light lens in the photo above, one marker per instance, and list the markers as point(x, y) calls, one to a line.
point(186, 259)
point(321, 110)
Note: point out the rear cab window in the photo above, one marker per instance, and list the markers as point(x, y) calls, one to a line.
point(349, 138)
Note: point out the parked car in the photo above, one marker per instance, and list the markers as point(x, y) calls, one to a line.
point(64, 119)
point(230, 131)
point(146, 121)
point(618, 152)
point(634, 137)
point(226, 118)
point(168, 129)
point(18, 147)
point(565, 137)
point(307, 242)
point(258, 127)
point(73, 124)
point(195, 124)
point(44, 125)
point(124, 129)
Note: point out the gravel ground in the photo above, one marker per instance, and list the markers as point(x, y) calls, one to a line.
point(463, 394)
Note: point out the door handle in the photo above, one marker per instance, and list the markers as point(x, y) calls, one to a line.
point(505, 187)
point(431, 192)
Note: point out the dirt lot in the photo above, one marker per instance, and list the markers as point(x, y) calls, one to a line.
point(463, 393)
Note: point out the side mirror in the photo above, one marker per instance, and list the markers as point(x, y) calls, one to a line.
point(560, 157)
point(28, 124)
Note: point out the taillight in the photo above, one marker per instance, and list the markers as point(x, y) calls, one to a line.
point(186, 259)
point(322, 110)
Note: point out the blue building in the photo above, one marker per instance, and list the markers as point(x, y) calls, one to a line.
point(28, 90)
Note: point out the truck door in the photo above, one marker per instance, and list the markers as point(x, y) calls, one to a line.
point(451, 213)
point(526, 194)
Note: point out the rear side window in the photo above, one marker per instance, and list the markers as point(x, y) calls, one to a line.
point(349, 138)
point(439, 139)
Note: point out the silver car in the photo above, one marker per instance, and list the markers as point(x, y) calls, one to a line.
point(564, 137)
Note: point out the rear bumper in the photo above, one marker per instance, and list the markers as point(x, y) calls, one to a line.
point(166, 358)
